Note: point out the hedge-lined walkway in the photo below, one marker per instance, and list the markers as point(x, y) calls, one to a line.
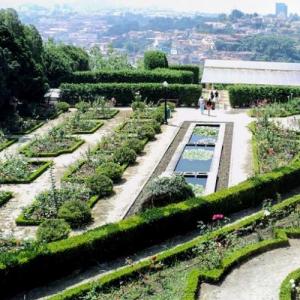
point(259, 278)
point(25, 193)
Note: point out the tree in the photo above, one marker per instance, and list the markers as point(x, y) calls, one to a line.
point(235, 15)
point(112, 61)
point(155, 59)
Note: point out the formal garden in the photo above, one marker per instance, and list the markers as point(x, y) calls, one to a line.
point(87, 194)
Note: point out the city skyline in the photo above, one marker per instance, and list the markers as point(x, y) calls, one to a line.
point(213, 6)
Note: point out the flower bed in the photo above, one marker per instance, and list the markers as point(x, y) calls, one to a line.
point(20, 170)
point(279, 109)
point(47, 204)
point(5, 141)
point(55, 143)
point(5, 197)
point(98, 114)
point(179, 270)
point(273, 146)
point(79, 125)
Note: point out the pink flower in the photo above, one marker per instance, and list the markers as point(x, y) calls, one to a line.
point(217, 217)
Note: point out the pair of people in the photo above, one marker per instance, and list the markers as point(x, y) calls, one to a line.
point(201, 104)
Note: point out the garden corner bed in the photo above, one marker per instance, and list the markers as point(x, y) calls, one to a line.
point(19, 170)
point(7, 143)
point(91, 127)
point(5, 197)
point(53, 144)
point(98, 114)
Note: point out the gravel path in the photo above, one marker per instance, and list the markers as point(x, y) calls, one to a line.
point(25, 193)
point(259, 278)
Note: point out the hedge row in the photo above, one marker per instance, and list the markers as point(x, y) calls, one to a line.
point(8, 143)
point(140, 231)
point(124, 93)
point(5, 197)
point(191, 68)
point(245, 95)
point(286, 290)
point(184, 250)
point(132, 76)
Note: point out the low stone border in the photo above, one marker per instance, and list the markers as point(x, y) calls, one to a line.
point(75, 146)
point(44, 166)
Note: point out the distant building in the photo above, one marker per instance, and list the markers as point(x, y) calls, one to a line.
point(281, 10)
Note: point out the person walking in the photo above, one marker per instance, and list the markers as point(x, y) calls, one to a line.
point(209, 106)
point(212, 95)
point(217, 98)
point(201, 104)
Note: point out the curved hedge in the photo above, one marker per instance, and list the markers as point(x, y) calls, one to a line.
point(57, 259)
point(191, 68)
point(245, 95)
point(188, 94)
point(286, 291)
point(132, 76)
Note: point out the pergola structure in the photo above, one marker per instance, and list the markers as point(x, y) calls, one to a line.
point(251, 72)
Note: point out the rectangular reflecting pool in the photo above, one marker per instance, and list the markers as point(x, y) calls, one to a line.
point(196, 159)
point(204, 134)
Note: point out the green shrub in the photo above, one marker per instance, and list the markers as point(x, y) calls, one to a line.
point(192, 68)
point(53, 230)
point(63, 106)
point(124, 156)
point(147, 131)
point(133, 76)
point(165, 190)
point(135, 144)
point(245, 95)
point(75, 212)
point(188, 94)
point(83, 106)
point(5, 197)
point(111, 170)
point(100, 184)
point(155, 59)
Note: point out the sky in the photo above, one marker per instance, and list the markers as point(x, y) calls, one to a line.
point(211, 6)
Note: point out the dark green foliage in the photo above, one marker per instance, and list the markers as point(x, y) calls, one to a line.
point(5, 197)
point(165, 190)
point(245, 95)
point(77, 213)
point(62, 60)
point(53, 230)
point(155, 59)
point(21, 68)
point(63, 106)
point(100, 184)
point(191, 68)
point(124, 93)
point(124, 156)
point(132, 76)
point(111, 170)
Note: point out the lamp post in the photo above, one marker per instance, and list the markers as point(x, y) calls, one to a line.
point(165, 85)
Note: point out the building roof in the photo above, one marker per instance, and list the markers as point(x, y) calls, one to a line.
point(53, 93)
point(251, 72)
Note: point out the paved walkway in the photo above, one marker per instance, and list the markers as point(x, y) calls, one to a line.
point(25, 193)
point(258, 279)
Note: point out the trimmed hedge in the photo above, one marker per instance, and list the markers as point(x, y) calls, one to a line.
point(132, 76)
point(5, 197)
point(286, 291)
point(27, 152)
point(8, 143)
point(98, 124)
point(245, 95)
point(30, 130)
point(155, 59)
point(44, 165)
point(140, 231)
point(191, 68)
point(124, 93)
point(185, 249)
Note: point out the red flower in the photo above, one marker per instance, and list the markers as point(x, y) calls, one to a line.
point(217, 217)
